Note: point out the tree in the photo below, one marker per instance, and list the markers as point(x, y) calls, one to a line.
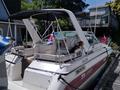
point(73, 5)
point(31, 4)
point(25, 5)
point(115, 5)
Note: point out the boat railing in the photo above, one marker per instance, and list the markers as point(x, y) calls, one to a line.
point(51, 57)
point(58, 58)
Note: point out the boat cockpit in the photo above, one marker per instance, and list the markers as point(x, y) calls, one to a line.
point(54, 36)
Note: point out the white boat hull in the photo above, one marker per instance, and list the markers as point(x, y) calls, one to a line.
point(79, 78)
point(70, 62)
point(91, 79)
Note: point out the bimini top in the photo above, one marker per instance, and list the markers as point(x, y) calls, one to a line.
point(44, 14)
point(51, 14)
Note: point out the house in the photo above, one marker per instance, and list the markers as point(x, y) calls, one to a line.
point(100, 20)
point(101, 16)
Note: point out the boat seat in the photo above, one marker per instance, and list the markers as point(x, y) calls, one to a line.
point(45, 48)
point(28, 52)
point(21, 50)
point(13, 65)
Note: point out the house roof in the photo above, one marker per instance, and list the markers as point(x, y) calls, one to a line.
point(98, 7)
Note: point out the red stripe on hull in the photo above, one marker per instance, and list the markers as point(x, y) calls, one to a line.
point(84, 76)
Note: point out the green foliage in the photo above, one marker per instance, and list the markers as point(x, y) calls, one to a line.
point(35, 4)
point(64, 24)
point(73, 5)
point(114, 46)
point(115, 5)
point(25, 5)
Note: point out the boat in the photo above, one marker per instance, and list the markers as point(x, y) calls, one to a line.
point(5, 44)
point(61, 57)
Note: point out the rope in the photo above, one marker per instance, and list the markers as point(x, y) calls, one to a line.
point(9, 28)
point(63, 39)
point(47, 29)
point(106, 51)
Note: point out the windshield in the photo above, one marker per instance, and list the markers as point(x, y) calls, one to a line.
point(56, 32)
point(91, 38)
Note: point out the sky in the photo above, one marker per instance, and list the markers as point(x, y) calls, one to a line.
point(93, 3)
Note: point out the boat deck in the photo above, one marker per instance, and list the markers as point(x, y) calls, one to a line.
point(111, 78)
point(16, 85)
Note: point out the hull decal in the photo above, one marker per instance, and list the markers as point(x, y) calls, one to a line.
point(68, 72)
point(84, 76)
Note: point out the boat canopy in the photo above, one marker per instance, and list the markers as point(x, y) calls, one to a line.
point(41, 14)
point(50, 15)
